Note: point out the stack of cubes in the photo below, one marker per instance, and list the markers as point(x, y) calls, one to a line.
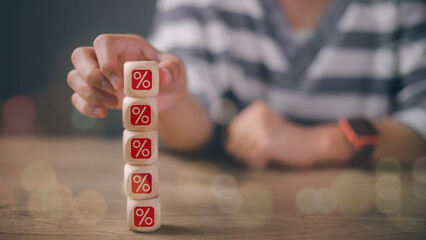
point(140, 145)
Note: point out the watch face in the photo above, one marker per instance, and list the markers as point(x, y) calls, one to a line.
point(362, 127)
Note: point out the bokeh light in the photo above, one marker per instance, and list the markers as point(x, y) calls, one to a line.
point(230, 204)
point(419, 190)
point(388, 206)
point(80, 121)
point(50, 203)
point(193, 193)
point(19, 113)
point(304, 200)
point(419, 170)
point(38, 175)
point(228, 198)
point(223, 185)
point(223, 110)
point(257, 205)
point(89, 207)
point(191, 180)
point(325, 200)
point(355, 192)
point(388, 187)
point(388, 165)
point(7, 202)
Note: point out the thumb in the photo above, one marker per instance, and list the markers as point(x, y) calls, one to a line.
point(172, 69)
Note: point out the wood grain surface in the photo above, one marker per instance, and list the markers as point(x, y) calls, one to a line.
point(67, 188)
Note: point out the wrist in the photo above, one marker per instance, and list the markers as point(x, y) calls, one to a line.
point(332, 145)
point(185, 126)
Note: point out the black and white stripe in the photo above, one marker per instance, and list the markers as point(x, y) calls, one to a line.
point(365, 59)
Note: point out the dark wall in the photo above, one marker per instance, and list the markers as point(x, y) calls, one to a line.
point(37, 39)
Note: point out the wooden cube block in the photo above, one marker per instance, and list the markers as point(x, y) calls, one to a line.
point(141, 79)
point(140, 114)
point(141, 182)
point(140, 148)
point(144, 215)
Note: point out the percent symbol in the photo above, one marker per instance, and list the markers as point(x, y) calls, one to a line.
point(141, 78)
point(140, 113)
point(142, 183)
point(140, 146)
point(147, 220)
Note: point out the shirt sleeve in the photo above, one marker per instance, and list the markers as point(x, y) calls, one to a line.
point(178, 29)
point(411, 99)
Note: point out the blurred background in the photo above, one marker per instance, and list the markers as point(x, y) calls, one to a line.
point(37, 40)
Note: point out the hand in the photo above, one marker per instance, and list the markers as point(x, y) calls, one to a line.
point(258, 135)
point(98, 75)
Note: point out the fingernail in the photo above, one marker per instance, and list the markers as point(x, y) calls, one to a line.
point(115, 81)
point(99, 111)
point(169, 76)
point(106, 85)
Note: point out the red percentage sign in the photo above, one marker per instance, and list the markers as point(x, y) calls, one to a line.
point(141, 148)
point(141, 183)
point(140, 115)
point(143, 217)
point(142, 77)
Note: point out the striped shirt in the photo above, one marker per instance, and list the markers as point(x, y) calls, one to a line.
point(365, 58)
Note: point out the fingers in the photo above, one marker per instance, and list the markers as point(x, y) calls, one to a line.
point(86, 108)
point(106, 53)
point(85, 62)
point(165, 77)
point(112, 49)
point(249, 151)
point(245, 146)
point(256, 156)
point(239, 132)
point(100, 69)
point(249, 138)
point(239, 140)
point(172, 71)
point(91, 95)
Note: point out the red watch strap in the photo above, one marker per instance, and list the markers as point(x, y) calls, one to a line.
point(364, 145)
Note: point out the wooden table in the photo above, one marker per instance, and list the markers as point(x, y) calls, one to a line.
point(65, 188)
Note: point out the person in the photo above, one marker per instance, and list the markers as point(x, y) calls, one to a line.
point(307, 79)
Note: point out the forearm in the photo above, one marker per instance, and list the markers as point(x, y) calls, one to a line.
point(396, 140)
point(185, 127)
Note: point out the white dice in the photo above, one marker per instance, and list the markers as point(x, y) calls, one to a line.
point(140, 148)
point(140, 114)
point(141, 79)
point(144, 215)
point(140, 145)
point(141, 182)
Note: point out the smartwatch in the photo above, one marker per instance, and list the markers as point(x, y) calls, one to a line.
point(363, 136)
